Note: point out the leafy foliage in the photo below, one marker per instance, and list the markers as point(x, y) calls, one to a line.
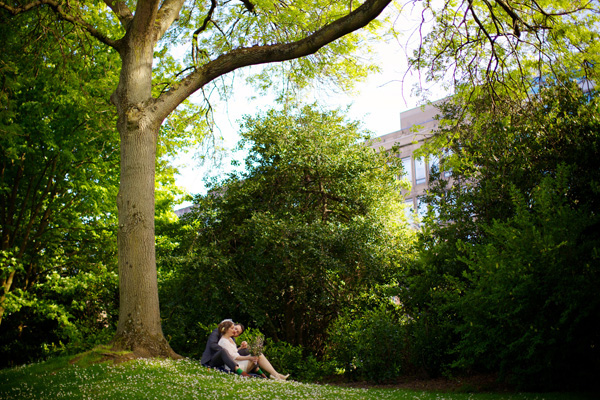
point(297, 361)
point(58, 182)
point(531, 304)
point(505, 46)
point(216, 29)
point(507, 273)
point(370, 344)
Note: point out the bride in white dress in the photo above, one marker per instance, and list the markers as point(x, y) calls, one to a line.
point(246, 363)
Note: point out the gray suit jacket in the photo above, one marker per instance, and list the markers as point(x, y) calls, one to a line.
point(212, 346)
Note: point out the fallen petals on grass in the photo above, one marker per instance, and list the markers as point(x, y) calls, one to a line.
point(186, 379)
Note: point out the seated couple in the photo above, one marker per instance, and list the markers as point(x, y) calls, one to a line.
point(221, 349)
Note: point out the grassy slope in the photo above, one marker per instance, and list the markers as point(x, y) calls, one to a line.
point(187, 379)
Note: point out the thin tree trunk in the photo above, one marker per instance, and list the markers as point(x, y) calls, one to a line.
point(6, 285)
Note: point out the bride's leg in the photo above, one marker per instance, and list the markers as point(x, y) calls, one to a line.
point(266, 366)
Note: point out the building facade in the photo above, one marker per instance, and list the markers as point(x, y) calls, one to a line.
point(416, 126)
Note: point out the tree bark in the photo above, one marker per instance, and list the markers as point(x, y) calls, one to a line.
point(139, 328)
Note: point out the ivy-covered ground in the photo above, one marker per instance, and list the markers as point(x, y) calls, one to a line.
point(186, 379)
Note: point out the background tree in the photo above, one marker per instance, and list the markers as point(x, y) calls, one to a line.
point(509, 44)
point(314, 226)
point(58, 180)
point(507, 275)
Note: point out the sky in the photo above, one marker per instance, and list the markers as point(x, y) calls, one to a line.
point(377, 102)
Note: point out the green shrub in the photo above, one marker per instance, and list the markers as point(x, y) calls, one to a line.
point(369, 344)
point(297, 361)
point(431, 336)
point(532, 307)
point(289, 359)
point(507, 277)
point(59, 315)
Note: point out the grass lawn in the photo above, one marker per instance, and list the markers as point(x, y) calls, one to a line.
point(187, 379)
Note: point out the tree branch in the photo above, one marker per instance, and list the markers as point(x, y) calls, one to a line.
point(62, 14)
point(514, 16)
point(195, 49)
point(167, 14)
point(121, 10)
point(256, 55)
point(481, 26)
point(143, 22)
point(249, 6)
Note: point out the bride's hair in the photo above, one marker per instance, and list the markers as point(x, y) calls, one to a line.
point(223, 326)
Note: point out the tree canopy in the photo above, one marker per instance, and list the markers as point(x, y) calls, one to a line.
point(512, 44)
point(313, 227)
point(58, 179)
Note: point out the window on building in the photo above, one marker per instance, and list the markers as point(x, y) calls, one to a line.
point(420, 171)
point(408, 171)
point(447, 170)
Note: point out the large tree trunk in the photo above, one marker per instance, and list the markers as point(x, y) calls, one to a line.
point(139, 328)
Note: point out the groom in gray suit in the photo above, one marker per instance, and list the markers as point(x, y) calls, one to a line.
point(215, 357)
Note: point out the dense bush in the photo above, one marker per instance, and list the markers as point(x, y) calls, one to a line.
point(189, 307)
point(370, 344)
point(61, 314)
point(531, 306)
point(508, 268)
point(301, 363)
